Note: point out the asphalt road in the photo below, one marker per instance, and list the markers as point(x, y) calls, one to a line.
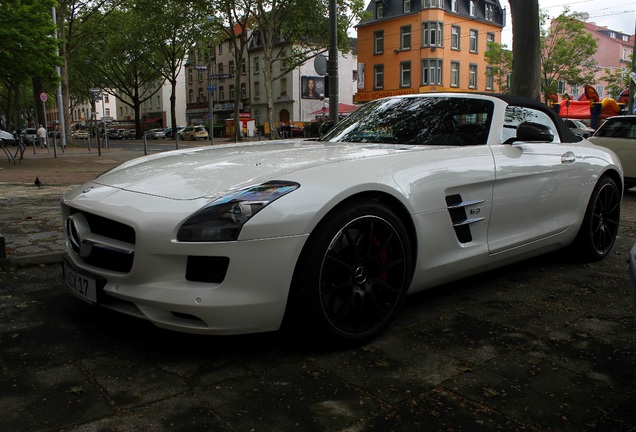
point(545, 344)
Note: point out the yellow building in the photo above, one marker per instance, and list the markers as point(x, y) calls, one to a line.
point(417, 46)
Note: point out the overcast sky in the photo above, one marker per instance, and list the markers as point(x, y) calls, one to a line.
point(617, 15)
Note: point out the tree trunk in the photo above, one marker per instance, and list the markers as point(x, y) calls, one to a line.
point(526, 49)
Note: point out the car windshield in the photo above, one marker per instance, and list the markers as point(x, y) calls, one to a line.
point(439, 120)
point(618, 128)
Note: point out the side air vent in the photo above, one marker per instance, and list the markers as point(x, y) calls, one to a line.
point(461, 223)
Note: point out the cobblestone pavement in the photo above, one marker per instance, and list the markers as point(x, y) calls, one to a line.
point(542, 345)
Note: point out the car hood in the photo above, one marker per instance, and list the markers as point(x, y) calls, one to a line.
point(211, 171)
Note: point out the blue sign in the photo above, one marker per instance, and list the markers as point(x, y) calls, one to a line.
point(211, 88)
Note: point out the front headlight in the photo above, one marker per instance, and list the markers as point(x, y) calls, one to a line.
point(222, 219)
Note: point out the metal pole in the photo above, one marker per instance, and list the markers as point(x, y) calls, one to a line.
point(333, 61)
point(60, 101)
point(210, 105)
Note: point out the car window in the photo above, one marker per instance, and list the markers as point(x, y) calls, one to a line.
point(618, 128)
point(417, 121)
point(516, 115)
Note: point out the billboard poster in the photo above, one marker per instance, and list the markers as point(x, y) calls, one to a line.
point(313, 87)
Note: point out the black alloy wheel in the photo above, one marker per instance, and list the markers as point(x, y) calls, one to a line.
point(600, 225)
point(354, 273)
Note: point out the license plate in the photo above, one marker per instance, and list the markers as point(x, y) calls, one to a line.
point(81, 285)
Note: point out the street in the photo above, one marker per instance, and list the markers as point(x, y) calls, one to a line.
point(544, 344)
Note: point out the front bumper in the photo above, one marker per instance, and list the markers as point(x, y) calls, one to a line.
point(250, 299)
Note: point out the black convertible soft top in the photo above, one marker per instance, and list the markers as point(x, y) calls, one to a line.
point(567, 136)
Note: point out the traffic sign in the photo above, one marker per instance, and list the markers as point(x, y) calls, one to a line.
point(96, 91)
point(222, 76)
point(200, 67)
point(211, 88)
point(43, 97)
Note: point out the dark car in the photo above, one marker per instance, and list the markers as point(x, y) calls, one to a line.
point(115, 134)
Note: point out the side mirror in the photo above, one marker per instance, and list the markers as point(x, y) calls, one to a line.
point(534, 132)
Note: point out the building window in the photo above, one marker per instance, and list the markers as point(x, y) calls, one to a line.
point(433, 3)
point(405, 74)
point(455, 37)
point(472, 76)
point(432, 33)
point(454, 74)
point(221, 93)
point(600, 90)
point(379, 10)
point(257, 90)
point(219, 68)
point(407, 6)
point(473, 41)
point(490, 37)
point(230, 67)
point(490, 11)
point(106, 98)
point(378, 42)
point(243, 67)
point(490, 78)
point(471, 9)
point(243, 91)
point(624, 54)
point(232, 92)
point(405, 37)
point(378, 76)
point(191, 96)
point(257, 65)
point(453, 5)
point(190, 76)
point(158, 101)
point(200, 98)
point(107, 112)
point(431, 72)
point(200, 75)
point(283, 86)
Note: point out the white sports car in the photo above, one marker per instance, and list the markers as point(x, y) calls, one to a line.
point(405, 194)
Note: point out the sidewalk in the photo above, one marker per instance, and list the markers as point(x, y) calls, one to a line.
point(31, 227)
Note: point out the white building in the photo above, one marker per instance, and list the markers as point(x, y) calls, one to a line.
point(290, 103)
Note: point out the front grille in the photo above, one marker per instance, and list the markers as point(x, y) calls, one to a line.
point(207, 269)
point(104, 253)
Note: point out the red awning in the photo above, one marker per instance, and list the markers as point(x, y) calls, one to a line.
point(342, 109)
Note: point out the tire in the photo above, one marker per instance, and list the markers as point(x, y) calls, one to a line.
point(600, 225)
point(353, 274)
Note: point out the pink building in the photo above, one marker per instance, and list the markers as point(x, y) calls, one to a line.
point(614, 50)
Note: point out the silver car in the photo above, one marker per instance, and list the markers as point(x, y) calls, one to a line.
point(619, 135)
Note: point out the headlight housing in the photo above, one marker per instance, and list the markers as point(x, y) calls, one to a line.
point(222, 219)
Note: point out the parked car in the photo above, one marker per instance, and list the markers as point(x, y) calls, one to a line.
point(194, 132)
point(618, 134)
point(7, 138)
point(328, 236)
point(579, 128)
point(29, 136)
point(129, 133)
point(115, 134)
point(80, 133)
point(168, 131)
point(156, 134)
point(291, 131)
